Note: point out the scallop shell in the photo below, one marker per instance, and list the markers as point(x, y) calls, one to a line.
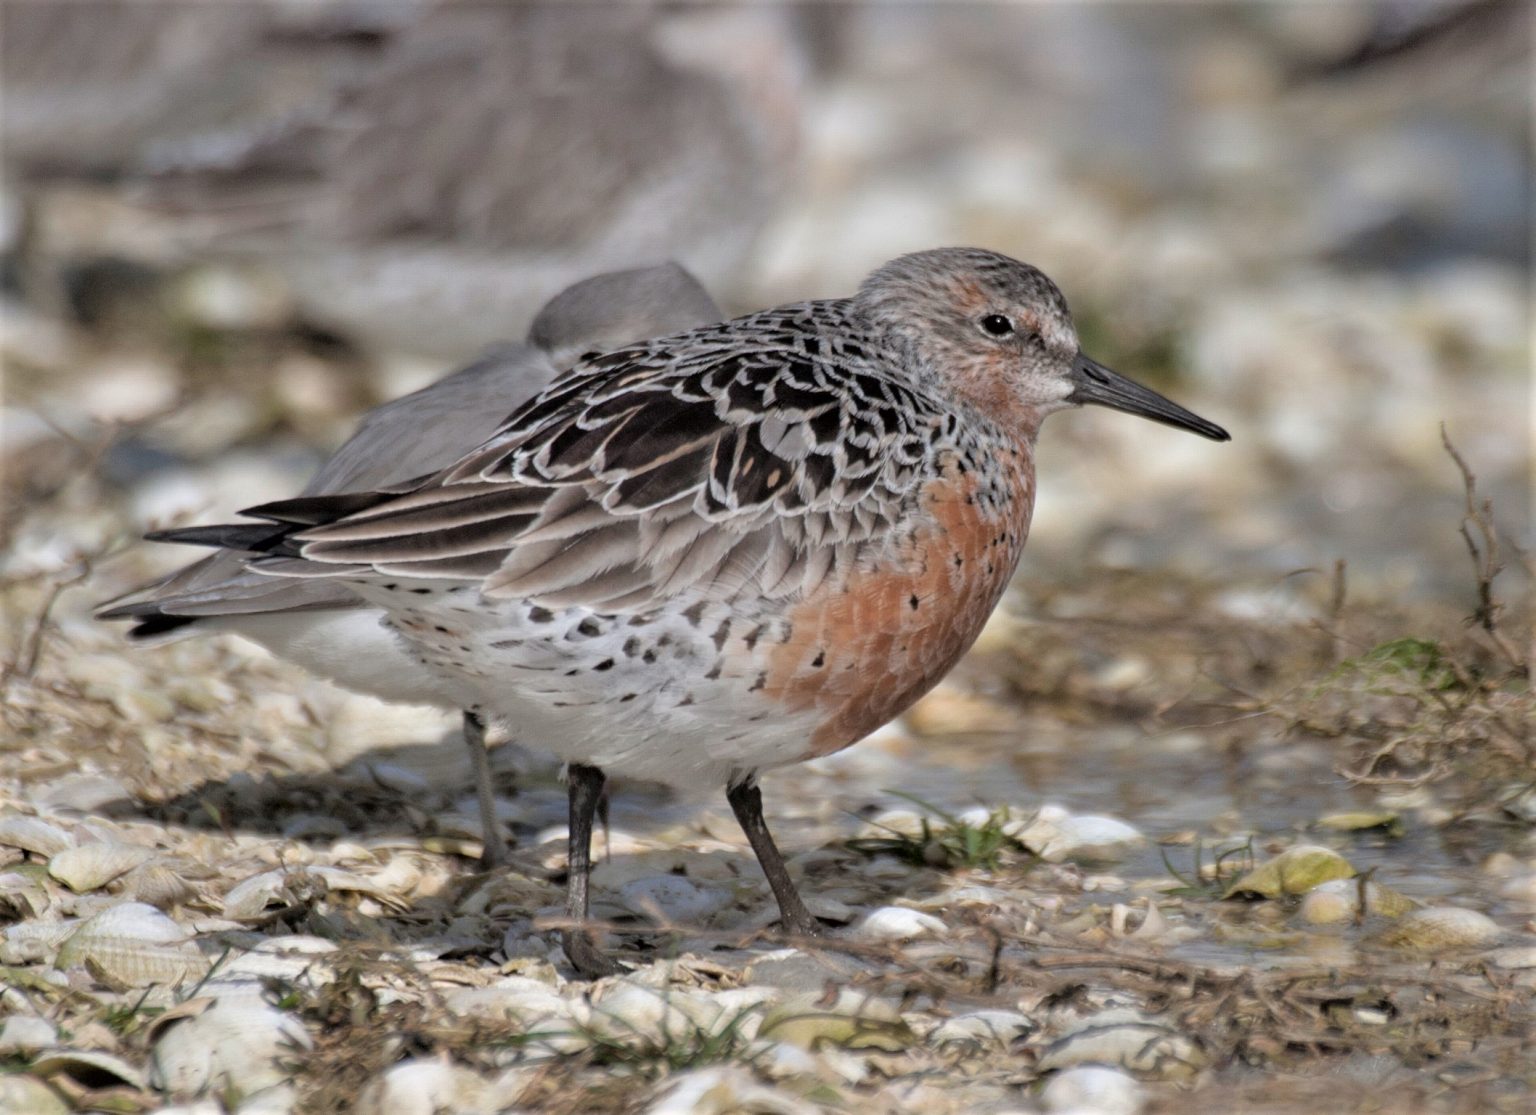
point(232, 1044)
point(33, 835)
point(157, 884)
point(89, 866)
point(133, 945)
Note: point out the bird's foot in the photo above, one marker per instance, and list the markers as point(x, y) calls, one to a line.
point(587, 958)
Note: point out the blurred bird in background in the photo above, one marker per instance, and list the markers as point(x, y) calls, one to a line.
point(421, 176)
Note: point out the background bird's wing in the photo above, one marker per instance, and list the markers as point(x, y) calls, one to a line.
point(760, 452)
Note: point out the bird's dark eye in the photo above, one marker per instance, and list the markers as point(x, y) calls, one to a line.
point(997, 325)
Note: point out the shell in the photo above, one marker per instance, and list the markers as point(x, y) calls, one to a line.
point(425, 1087)
point(1441, 927)
point(31, 1095)
point(33, 835)
point(1125, 1038)
point(294, 959)
point(898, 923)
point(30, 941)
point(1338, 900)
point(853, 1021)
point(1056, 835)
point(26, 1033)
point(1294, 871)
point(1103, 1091)
point(157, 884)
point(983, 1029)
point(236, 1044)
point(89, 866)
point(91, 1069)
point(133, 945)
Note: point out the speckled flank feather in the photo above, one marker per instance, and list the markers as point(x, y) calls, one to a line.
point(731, 548)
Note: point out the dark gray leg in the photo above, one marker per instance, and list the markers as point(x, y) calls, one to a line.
point(747, 803)
point(586, 788)
point(494, 850)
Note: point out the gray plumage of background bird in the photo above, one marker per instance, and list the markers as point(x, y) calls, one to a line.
point(331, 631)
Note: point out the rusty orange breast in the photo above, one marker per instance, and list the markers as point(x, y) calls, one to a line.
point(868, 644)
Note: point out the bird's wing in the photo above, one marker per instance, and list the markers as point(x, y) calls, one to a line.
point(765, 451)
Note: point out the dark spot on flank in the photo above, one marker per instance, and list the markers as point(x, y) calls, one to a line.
point(605, 664)
point(695, 613)
point(959, 561)
point(913, 601)
point(441, 630)
point(540, 615)
point(714, 672)
point(761, 682)
point(426, 591)
point(629, 697)
point(631, 647)
point(589, 627)
point(391, 587)
point(820, 659)
point(648, 657)
point(753, 636)
point(722, 633)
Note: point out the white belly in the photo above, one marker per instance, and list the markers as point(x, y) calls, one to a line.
point(673, 699)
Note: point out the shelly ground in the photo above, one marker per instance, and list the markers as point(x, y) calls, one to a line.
point(1228, 721)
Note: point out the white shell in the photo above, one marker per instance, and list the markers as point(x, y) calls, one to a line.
point(237, 1045)
point(898, 923)
point(1096, 1089)
point(33, 835)
point(31, 1095)
point(427, 1087)
point(1125, 1038)
point(27, 942)
point(26, 1033)
point(294, 958)
point(1055, 837)
point(88, 866)
point(133, 945)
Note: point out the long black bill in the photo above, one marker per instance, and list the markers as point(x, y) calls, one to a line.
point(1094, 383)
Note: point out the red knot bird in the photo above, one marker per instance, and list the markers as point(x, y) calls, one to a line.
point(334, 632)
point(707, 555)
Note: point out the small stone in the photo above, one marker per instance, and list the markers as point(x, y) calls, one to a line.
point(1388, 820)
point(1094, 1089)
